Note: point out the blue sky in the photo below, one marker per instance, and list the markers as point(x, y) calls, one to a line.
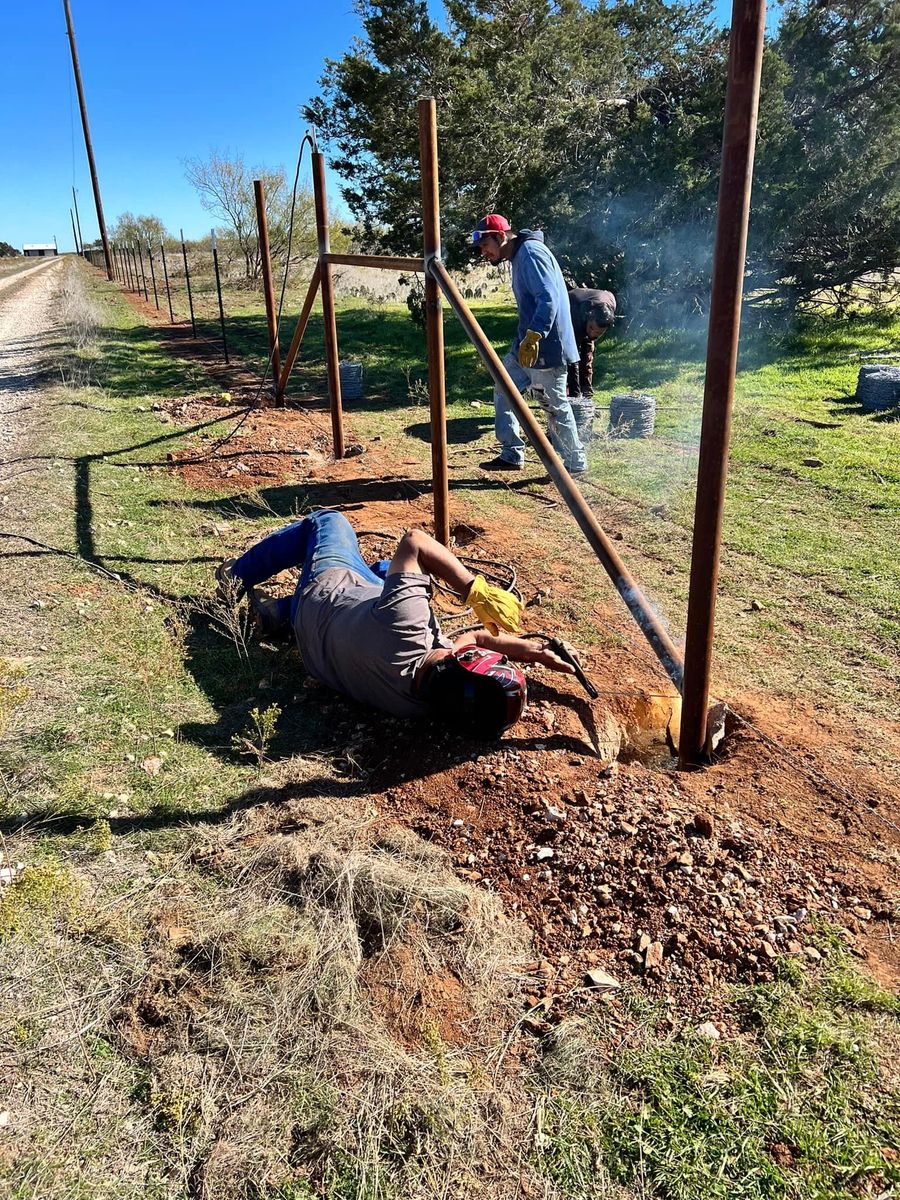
point(164, 81)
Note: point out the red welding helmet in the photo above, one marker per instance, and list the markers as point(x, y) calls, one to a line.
point(492, 223)
point(479, 691)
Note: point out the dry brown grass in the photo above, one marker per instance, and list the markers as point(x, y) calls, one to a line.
point(305, 1004)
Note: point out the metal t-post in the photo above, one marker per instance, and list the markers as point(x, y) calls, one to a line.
point(332, 360)
point(187, 277)
point(748, 22)
point(265, 258)
point(143, 272)
point(162, 252)
point(215, 254)
point(153, 274)
point(434, 321)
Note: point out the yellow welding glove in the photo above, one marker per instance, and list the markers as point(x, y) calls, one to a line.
point(529, 348)
point(495, 608)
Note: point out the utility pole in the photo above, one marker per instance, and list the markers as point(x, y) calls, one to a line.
point(78, 222)
point(87, 141)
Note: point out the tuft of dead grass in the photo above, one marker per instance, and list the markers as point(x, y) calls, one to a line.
point(304, 1003)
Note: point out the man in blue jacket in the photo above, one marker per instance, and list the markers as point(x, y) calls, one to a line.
point(544, 346)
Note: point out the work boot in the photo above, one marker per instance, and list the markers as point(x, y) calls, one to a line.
point(269, 611)
point(500, 464)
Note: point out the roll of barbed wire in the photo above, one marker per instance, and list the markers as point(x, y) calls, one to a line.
point(878, 387)
point(583, 411)
point(632, 415)
point(351, 381)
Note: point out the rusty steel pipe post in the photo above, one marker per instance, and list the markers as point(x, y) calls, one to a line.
point(137, 278)
point(382, 262)
point(127, 254)
point(332, 361)
point(143, 272)
point(187, 276)
point(88, 145)
point(162, 254)
point(153, 274)
point(302, 322)
point(215, 254)
point(265, 256)
point(117, 259)
point(748, 23)
point(625, 585)
point(434, 321)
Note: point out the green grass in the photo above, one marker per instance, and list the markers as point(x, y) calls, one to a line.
point(798, 1104)
point(124, 714)
point(813, 546)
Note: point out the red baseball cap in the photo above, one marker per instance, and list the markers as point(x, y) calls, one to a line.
point(492, 223)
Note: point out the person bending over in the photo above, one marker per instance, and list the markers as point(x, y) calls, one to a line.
point(370, 633)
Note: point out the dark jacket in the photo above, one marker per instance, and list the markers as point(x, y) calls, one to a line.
point(540, 292)
point(582, 301)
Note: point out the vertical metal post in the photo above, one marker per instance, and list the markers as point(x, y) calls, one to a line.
point(153, 274)
point(143, 272)
point(328, 319)
point(78, 220)
point(434, 320)
point(87, 140)
point(262, 225)
point(187, 277)
point(117, 259)
point(748, 21)
point(74, 234)
point(215, 254)
point(134, 267)
point(162, 251)
point(127, 258)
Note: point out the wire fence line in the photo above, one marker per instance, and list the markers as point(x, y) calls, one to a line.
point(187, 280)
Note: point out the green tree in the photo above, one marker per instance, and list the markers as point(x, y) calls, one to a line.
point(603, 126)
point(8, 251)
point(826, 208)
point(138, 230)
point(225, 186)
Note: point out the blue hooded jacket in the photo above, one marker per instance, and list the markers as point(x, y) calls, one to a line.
point(543, 300)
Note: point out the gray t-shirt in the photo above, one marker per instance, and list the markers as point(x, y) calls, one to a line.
point(368, 641)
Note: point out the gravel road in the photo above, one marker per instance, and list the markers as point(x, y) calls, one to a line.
point(17, 276)
point(27, 324)
point(26, 320)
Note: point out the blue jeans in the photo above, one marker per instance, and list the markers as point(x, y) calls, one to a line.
point(317, 543)
point(549, 385)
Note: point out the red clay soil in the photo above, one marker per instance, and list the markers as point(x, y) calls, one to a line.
point(577, 817)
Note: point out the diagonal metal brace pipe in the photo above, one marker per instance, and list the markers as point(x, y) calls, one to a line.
point(625, 585)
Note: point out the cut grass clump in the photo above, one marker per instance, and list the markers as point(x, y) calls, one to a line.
point(801, 1103)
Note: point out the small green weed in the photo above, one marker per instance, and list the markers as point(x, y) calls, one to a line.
point(261, 729)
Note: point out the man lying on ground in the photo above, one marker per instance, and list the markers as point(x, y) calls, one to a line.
point(369, 632)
